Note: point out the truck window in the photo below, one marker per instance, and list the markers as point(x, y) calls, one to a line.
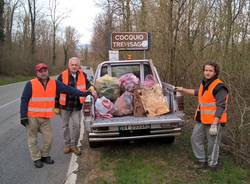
point(118, 71)
point(147, 70)
point(104, 70)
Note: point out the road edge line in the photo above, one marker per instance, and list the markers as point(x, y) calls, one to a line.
point(73, 165)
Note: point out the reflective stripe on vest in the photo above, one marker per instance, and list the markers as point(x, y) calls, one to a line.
point(42, 100)
point(207, 104)
point(80, 85)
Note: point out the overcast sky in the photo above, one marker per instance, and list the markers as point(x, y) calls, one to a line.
point(82, 14)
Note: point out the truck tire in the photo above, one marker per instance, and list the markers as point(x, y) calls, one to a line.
point(167, 140)
point(94, 144)
point(170, 140)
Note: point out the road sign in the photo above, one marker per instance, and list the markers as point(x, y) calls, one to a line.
point(113, 55)
point(129, 41)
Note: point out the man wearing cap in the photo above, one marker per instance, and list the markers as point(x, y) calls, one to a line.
point(37, 104)
point(71, 106)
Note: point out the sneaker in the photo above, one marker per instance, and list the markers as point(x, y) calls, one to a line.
point(76, 150)
point(215, 167)
point(47, 160)
point(38, 163)
point(67, 149)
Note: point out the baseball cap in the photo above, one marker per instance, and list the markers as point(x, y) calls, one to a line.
point(41, 66)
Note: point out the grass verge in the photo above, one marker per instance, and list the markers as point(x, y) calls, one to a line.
point(146, 162)
point(12, 79)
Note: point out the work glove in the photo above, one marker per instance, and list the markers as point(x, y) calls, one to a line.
point(213, 130)
point(25, 122)
point(93, 91)
point(178, 88)
point(56, 111)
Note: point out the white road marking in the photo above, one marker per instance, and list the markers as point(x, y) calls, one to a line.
point(73, 165)
point(2, 106)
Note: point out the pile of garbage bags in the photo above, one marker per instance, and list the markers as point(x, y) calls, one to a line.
point(125, 96)
point(108, 86)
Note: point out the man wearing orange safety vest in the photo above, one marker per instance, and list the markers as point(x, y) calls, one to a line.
point(37, 108)
point(211, 117)
point(71, 106)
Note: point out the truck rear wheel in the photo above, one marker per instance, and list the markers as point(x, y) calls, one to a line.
point(94, 144)
point(167, 140)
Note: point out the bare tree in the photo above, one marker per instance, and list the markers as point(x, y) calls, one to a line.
point(1, 31)
point(32, 12)
point(56, 18)
point(71, 39)
point(11, 8)
point(1, 21)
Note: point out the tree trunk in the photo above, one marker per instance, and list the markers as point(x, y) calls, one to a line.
point(65, 50)
point(128, 14)
point(32, 11)
point(1, 22)
point(54, 46)
point(143, 16)
point(228, 25)
point(170, 41)
point(1, 32)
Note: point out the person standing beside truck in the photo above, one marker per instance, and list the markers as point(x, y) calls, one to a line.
point(37, 104)
point(70, 105)
point(211, 116)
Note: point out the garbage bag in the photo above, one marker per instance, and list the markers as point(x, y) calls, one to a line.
point(108, 86)
point(128, 82)
point(154, 102)
point(124, 104)
point(103, 108)
point(149, 81)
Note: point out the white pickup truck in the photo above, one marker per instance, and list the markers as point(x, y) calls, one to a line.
point(130, 127)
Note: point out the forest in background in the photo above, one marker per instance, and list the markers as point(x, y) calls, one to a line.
point(185, 34)
point(31, 32)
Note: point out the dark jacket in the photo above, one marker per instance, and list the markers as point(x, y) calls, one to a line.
point(72, 102)
point(60, 87)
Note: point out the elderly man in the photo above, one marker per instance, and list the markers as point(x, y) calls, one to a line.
point(70, 105)
point(37, 104)
point(211, 116)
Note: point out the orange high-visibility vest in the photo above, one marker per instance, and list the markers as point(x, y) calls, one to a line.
point(207, 104)
point(42, 100)
point(80, 85)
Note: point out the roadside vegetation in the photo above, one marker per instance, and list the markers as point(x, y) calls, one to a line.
point(12, 79)
point(153, 161)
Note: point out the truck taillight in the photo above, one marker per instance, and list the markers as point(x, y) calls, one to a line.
point(180, 101)
point(87, 108)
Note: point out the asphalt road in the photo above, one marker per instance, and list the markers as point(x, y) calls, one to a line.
point(16, 166)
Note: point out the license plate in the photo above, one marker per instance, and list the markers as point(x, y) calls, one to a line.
point(134, 127)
